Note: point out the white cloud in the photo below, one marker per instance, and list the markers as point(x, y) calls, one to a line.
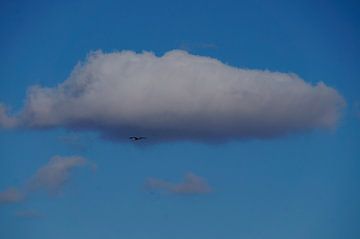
point(51, 178)
point(5, 120)
point(55, 173)
point(11, 195)
point(192, 184)
point(179, 96)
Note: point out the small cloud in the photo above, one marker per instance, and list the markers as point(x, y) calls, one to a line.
point(55, 174)
point(51, 178)
point(6, 121)
point(192, 184)
point(29, 214)
point(11, 195)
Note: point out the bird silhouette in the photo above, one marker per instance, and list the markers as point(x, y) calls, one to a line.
point(136, 138)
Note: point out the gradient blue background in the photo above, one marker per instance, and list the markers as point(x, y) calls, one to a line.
point(301, 186)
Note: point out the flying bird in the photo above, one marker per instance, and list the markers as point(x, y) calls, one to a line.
point(135, 138)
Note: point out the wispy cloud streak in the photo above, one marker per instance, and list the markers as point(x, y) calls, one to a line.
point(11, 195)
point(50, 178)
point(55, 173)
point(192, 184)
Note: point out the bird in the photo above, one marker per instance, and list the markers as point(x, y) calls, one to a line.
point(136, 138)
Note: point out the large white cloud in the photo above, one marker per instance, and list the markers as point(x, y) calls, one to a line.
point(178, 96)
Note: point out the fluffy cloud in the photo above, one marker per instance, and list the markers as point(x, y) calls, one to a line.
point(192, 184)
point(178, 96)
point(11, 195)
point(51, 177)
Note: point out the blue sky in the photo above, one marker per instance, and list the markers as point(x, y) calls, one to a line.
point(301, 185)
